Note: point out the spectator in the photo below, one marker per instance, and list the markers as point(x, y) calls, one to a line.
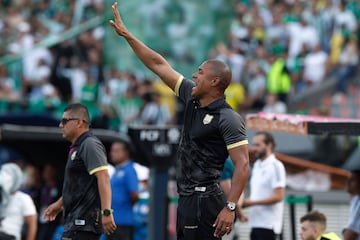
point(128, 108)
point(125, 188)
point(235, 95)
point(277, 30)
point(32, 182)
point(78, 77)
point(315, 66)
point(154, 112)
point(16, 207)
point(239, 33)
point(256, 88)
point(278, 78)
point(8, 91)
point(347, 64)
point(299, 34)
point(50, 191)
point(313, 15)
point(344, 19)
point(267, 190)
point(313, 227)
point(233, 57)
point(141, 207)
point(273, 104)
point(38, 77)
point(352, 229)
point(118, 82)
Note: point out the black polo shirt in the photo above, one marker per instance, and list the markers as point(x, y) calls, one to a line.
point(208, 133)
point(81, 199)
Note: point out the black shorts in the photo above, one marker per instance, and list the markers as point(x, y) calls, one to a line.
point(197, 213)
point(80, 235)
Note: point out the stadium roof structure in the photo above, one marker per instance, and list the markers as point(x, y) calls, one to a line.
point(40, 144)
point(302, 124)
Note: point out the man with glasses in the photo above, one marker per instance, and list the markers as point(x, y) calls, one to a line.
point(86, 197)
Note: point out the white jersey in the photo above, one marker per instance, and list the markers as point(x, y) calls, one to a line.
point(354, 218)
point(266, 176)
point(20, 206)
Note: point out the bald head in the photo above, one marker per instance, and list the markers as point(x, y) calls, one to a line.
point(221, 70)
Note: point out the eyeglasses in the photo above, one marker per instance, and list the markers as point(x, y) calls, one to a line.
point(64, 121)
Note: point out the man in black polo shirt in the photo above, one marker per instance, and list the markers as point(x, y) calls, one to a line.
point(86, 196)
point(211, 132)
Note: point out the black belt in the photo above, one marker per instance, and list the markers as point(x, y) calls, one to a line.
point(210, 188)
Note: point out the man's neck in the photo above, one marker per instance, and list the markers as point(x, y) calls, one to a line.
point(266, 156)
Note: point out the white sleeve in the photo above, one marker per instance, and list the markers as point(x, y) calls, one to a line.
point(28, 206)
point(279, 178)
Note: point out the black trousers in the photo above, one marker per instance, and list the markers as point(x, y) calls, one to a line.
point(122, 233)
point(262, 234)
point(197, 213)
point(80, 235)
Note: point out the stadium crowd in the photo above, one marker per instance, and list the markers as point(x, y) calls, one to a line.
point(275, 49)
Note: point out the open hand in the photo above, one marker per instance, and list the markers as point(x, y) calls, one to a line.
point(224, 222)
point(118, 24)
point(52, 211)
point(108, 223)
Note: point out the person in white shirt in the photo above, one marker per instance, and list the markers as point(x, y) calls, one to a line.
point(315, 66)
point(344, 19)
point(267, 190)
point(301, 33)
point(352, 229)
point(16, 208)
point(273, 104)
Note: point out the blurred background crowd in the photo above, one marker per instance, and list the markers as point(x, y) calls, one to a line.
point(56, 52)
point(287, 56)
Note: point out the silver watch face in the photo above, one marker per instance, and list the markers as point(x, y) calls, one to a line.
point(231, 206)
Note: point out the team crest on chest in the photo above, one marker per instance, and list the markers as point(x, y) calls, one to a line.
point(73, 155)
point(207, 119)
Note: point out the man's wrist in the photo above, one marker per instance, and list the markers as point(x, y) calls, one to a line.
point(107, 212)
point(231, 206)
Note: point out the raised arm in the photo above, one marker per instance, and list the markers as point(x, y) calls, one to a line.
point(151, 59)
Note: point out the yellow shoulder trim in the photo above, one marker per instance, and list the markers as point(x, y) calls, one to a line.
point(237, 144)
point(98, 169)
point(177, 86)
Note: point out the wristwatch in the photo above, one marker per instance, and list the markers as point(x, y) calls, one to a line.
point(231, 206)
point(107, 212)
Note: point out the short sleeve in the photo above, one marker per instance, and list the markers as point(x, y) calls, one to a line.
point(132, 181)
point(183, 89)
point(93, 154)
point(28, 205)
point(232, 127)
point(279, 178)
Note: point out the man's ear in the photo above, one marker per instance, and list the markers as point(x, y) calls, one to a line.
point(215, 81)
